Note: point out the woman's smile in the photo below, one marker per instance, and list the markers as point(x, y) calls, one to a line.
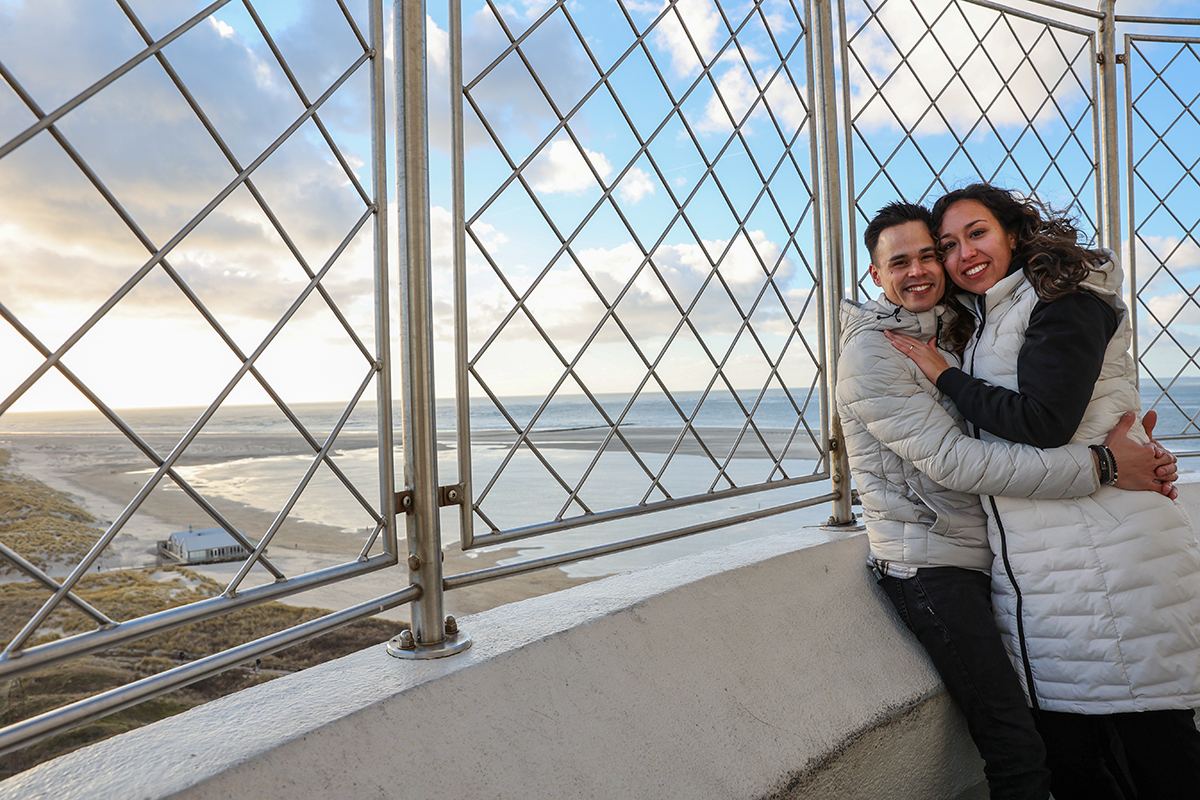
point(976, 248)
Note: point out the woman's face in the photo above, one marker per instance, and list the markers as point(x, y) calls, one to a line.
point(976, 248)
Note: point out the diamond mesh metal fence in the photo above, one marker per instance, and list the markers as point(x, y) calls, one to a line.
point(640, 235)
point(636, 215)
point(1162, 194)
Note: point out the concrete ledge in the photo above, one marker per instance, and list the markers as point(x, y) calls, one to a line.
point(773, 668)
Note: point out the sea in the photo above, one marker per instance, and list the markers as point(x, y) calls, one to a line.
point(526, 492)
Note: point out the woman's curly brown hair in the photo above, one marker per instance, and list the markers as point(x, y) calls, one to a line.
point(1047, 241)
point(957, 323)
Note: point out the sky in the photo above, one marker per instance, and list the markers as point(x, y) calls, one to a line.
point(64, 251)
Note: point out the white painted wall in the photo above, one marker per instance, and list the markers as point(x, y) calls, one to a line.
point(769, 669)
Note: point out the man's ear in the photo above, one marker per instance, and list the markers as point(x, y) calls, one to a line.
point(875, 275)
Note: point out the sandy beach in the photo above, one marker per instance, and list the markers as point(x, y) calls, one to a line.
point(103, 472)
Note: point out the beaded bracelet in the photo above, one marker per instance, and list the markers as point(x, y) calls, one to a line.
point(1108, 463)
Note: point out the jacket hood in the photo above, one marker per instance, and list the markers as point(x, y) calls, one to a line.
point(884, 315)
point(1106, 279)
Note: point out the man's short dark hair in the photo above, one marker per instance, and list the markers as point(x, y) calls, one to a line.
point(891, 215)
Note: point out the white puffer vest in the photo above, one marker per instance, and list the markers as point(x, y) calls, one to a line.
point(919, 475)
point(1098, 598)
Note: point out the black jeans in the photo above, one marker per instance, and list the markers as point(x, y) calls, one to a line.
point(1161, 748)
point(950, 611)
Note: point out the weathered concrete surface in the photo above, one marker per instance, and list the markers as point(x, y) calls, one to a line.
point(769, 669)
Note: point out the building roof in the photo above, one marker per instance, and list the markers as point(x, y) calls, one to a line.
point(205, 539)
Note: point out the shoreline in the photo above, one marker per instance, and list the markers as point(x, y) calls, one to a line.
point(97, 471)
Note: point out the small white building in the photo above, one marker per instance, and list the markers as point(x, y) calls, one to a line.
point(202, 546)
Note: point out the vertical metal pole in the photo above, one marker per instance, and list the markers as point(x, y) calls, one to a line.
point(432, 634)
point(383, 344)
point(831, 233)
point(462, 394)
point(1110, 172)
point(848, 139)
point(1130, 262)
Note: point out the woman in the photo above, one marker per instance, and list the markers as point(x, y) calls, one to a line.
point(1098, 598)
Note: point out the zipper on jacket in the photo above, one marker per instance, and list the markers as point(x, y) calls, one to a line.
point(981, 307)
point(1033, 700)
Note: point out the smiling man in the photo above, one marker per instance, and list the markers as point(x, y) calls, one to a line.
point(926, 527)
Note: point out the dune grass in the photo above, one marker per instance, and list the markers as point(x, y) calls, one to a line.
point(40, 523)
point(44, 526)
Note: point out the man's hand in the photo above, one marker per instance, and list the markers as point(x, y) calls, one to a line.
point(1142, 467)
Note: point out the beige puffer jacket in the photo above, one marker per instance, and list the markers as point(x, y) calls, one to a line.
point(918, 474)
point(1108, 585)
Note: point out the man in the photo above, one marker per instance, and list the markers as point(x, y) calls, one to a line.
point(928, 543)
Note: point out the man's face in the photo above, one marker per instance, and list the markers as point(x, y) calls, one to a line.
point(905, 265)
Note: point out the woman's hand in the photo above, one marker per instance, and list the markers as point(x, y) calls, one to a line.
point(926, 356)
point(1142, 467)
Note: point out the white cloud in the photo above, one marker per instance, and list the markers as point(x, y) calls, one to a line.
point(635, 185)
point(225, 30)
point(701, 22)
point(67, 252)
point(568, 308)
point(1168, 250)
point(998, 80)
point(738, 92)
point(508, 97)
point(561, 168)
point(1164, 309)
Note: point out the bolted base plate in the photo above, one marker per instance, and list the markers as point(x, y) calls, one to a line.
point(453, 643)
point(852, 525)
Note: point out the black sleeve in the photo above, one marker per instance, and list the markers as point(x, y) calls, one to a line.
point(1057, 370)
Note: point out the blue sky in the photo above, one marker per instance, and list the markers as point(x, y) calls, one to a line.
point(66, 251)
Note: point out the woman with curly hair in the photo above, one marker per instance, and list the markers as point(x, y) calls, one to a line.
point(1097, 598)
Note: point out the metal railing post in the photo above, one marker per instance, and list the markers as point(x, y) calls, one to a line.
point(462, 394)
point(829, 199)
point(383, 344)
point(1110, 168)
point(1129, 261)
point(433, 635)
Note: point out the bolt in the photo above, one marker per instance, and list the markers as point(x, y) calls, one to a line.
point(452, 494)
point(414, 563)
point(407, 642)
point(451, 626)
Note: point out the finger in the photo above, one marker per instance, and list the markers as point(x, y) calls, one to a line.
point(1123, 425)
point(1149, 419)
point(1167, 469)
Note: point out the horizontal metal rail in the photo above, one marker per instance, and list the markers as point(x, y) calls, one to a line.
point(493, 573)
point(24, 733)
point(611, 515)
point(1008, 11)
point(1132, 19)
point(20, 662)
